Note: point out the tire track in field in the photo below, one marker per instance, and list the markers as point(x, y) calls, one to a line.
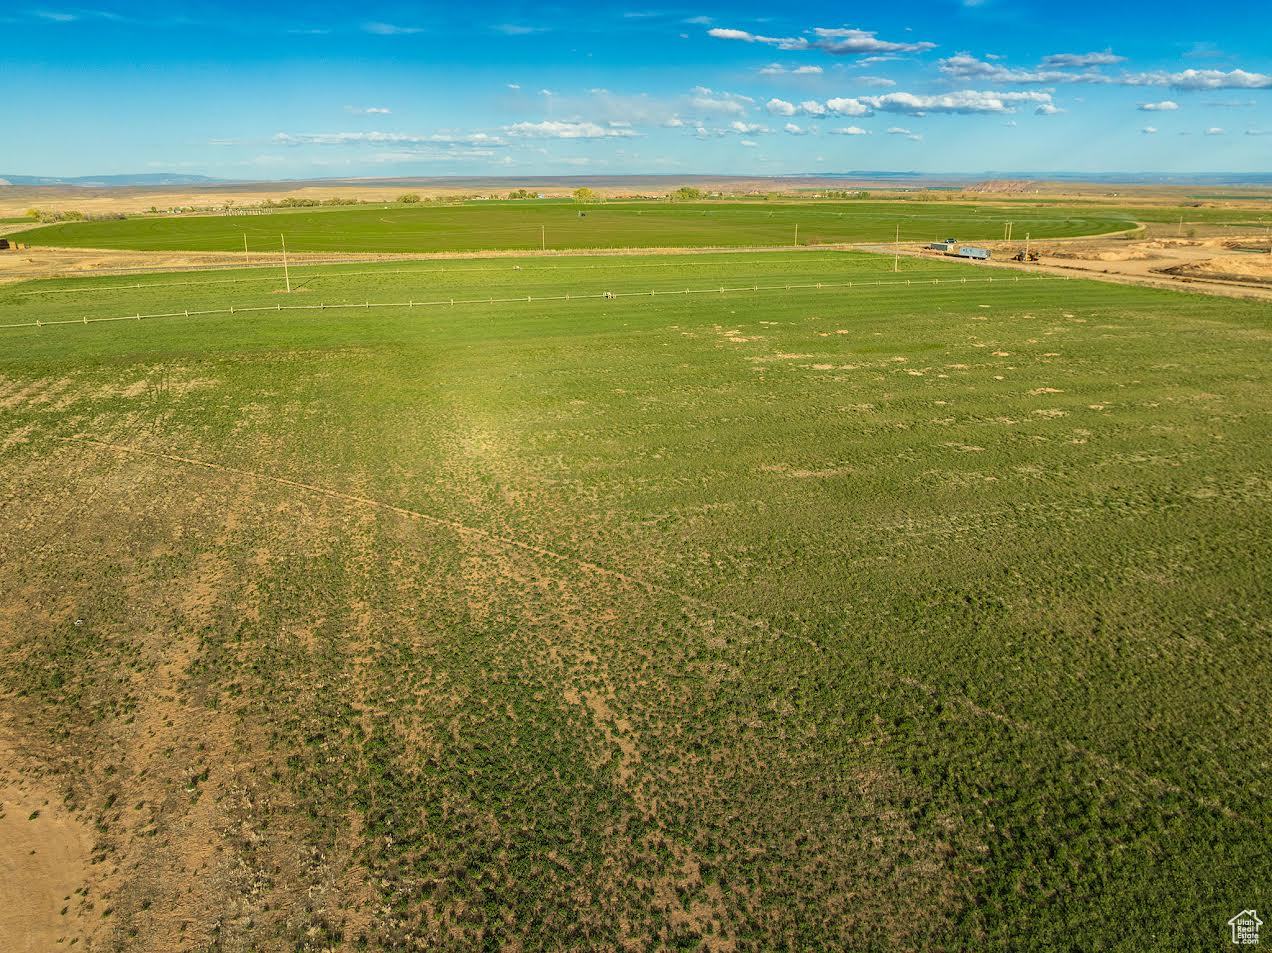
point(462, 528)
point(962, 701)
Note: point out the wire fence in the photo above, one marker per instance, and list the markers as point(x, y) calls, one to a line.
point(530, 299)
point(437, 270)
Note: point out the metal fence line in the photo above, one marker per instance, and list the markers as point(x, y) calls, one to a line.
point(441, 272)
point(529, 299)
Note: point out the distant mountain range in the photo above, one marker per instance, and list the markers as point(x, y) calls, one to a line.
point(106, 181)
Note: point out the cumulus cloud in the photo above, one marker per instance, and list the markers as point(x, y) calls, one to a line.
point(842, 106)
point(384, 138)
point(1149, 130)
point(706, 100)
point(964, 66)
point(837, 41)
point(558, 129)
point(962, 101)
point(1082, 60)
point(1214, 131)
point(795, 130)
point(1048, 109)
point(850, 131)
point(746, 128)
point(1201, 79)
point(1166, 105)
point(901, 131)
point(777, 69)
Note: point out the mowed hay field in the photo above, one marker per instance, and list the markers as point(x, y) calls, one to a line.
point(893, 617)
point(480, 226)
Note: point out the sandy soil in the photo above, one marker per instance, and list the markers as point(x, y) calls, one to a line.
point(1211, 265)
point(44, 860)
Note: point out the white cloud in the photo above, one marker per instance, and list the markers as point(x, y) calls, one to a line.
point(963, 101)
point(1214, 131)
point(777, 69)
point(1165, 105)
point(368, 110)
point(964, 66)
point(390, 29)
point(879, 82)
point(1149, 130)
point(795, 130)
point(850, 131)
point(836, 41)
point(430, 155)
point(749, 143)
point(514, 86)
point(706, 100)
point(747, 128)
point(1082, 60)
point(518, 29)
point(1257, 132)
point(557, 129)
point(900, 131)
point(845, 106)
point(1201, 79)
point(385, 138)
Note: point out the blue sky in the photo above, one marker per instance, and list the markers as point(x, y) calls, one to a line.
point(252, 90)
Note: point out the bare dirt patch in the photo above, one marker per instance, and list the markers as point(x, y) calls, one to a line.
point(44, 862)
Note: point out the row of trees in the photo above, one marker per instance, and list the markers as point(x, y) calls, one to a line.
point(72, 215)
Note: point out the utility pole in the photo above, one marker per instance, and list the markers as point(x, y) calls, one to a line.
point(797, 233)
point(1180, 234)
point(1026, 249)
point(543, 238)
point(896, 251)
point(245, 243)
point(286, 273)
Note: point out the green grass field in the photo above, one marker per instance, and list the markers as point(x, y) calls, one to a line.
point(885, 618)
point(513, 225)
